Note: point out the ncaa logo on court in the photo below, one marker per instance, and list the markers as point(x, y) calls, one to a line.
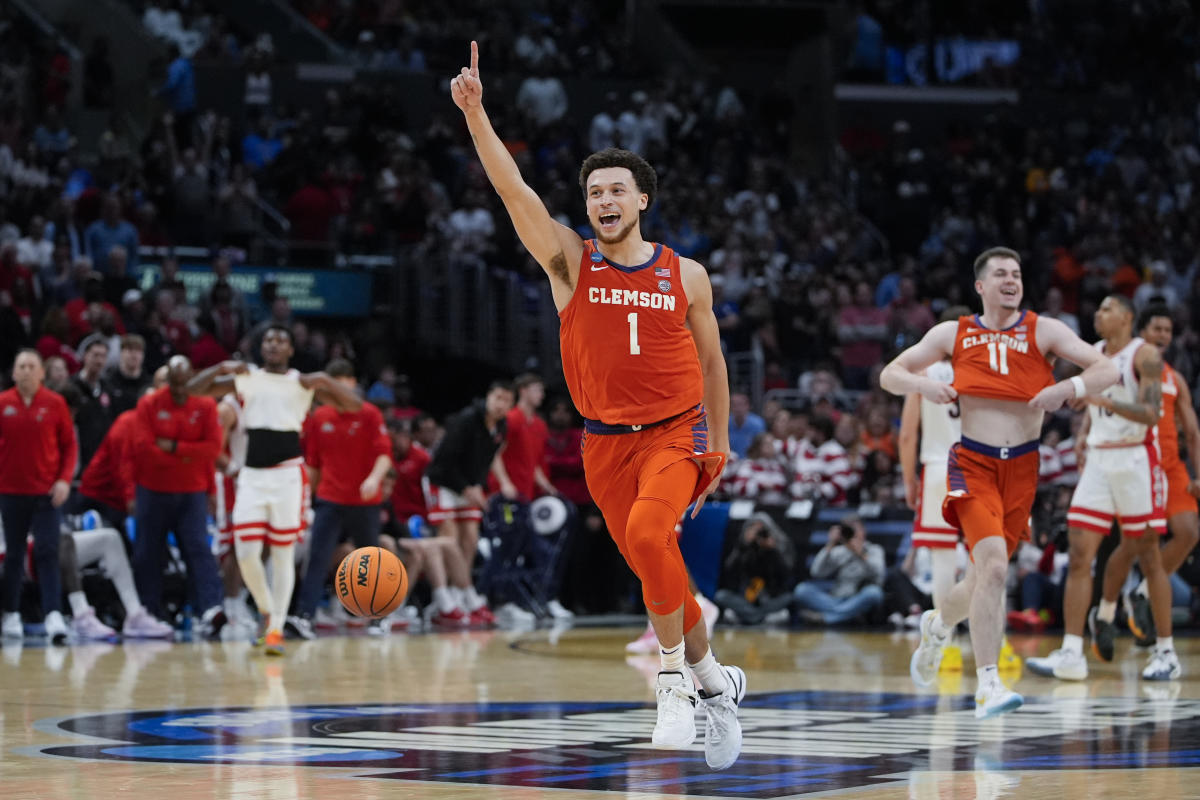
point(795, 744)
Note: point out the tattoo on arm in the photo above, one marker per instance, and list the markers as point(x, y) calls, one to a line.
point(1148, 407)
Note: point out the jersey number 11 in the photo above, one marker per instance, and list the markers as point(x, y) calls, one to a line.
point(998, 357)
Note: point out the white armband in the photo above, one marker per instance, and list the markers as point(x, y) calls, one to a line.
point(1080, 386)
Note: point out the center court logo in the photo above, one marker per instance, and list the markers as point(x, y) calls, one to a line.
point(795, 744)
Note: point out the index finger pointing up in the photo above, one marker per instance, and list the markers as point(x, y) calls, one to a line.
point(474, 58)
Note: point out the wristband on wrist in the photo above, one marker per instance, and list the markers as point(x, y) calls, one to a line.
point(1080, 387)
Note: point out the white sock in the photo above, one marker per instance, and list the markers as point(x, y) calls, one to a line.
point(712, 677)
point(672, 658)
point(1107, 611)
point(939, 627)
point(283, 580)
point(443, 598)
point(988, 676)
point(254, 575)
point(1165, 644)
point(472, 600)
point(79, 604)
point(1073, 644)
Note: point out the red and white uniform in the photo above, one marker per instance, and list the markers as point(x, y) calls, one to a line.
point(226, 479)
point(272, 486)
point(940, 430)
point(1122, 477)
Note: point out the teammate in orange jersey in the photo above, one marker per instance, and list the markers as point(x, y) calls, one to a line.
point(642, 359)
point(1004, 385)
point(1156, 327)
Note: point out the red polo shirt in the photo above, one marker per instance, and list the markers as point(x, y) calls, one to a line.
point(194, 428)
point(524, 449)
point(408, 498)
point(344, 446)
point(37, 442)
point(109, 475)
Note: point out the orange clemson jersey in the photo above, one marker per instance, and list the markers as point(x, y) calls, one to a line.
point(1002, 365)
point(1168, 431)
point(628, 356)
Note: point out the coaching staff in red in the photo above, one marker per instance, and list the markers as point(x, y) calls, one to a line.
point(348, 454)
point(176, 440)
point(38, 454)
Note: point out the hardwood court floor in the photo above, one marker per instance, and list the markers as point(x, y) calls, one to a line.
point(544, 715)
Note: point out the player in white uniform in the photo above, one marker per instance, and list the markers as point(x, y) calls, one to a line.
point(938, 428)
point(1122, 480)
point(271, 485)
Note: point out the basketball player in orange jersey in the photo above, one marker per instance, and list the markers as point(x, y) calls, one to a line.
point(1003, 383)
point(642, 359)
point(1155, 328)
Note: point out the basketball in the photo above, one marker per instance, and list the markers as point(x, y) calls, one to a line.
point(371, 582)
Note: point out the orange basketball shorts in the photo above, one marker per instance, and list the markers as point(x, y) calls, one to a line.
point(653, 467)
point(1178, 499)
point(990, 491)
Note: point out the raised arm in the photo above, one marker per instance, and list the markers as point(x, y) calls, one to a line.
point(217, 380)
point(1055, 338)
point(555, 247)
point(331, 392)
point(1148, 406)
point(904, 375)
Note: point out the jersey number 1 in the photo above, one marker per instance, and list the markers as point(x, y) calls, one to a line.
point(998, 357)
point(634, 348)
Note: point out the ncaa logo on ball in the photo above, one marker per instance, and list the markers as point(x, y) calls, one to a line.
point(664, 286)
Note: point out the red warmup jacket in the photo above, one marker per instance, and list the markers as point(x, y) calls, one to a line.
point(37, 442)
point(194, 428)
point(408, 498)
point(344, 446)
point(109, 475)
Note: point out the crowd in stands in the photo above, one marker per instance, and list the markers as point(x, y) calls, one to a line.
point(826, 284)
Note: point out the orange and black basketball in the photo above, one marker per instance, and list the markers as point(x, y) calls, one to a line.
point(371, 582)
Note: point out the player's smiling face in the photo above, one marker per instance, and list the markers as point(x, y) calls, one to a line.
point(1000, 286)
point(614, 203)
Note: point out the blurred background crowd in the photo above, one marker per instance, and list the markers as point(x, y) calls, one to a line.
point(135, 195)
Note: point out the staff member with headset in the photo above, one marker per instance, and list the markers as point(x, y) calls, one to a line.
point(38, 454)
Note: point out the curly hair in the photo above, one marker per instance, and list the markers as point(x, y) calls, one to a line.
point(643, 174)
